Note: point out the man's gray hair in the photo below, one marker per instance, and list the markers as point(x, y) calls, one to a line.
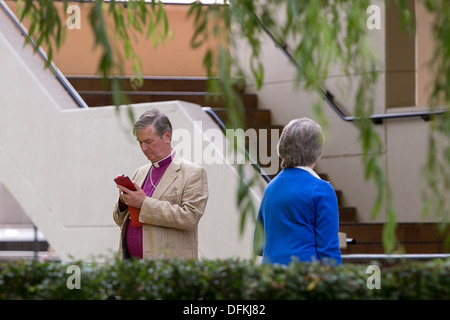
point(159, 120)
point(300, 143)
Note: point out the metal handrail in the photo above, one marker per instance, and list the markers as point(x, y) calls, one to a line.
point(61, 78)
point(336, 106)
point(377, 118)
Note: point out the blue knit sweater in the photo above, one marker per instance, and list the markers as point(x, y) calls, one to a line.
point(300, 217)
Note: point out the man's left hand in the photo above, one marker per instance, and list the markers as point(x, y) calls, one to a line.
point(132, 198)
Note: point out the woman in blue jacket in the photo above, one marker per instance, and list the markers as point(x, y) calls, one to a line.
point(299, 211)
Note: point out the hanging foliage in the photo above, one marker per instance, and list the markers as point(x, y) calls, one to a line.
point(319, 35)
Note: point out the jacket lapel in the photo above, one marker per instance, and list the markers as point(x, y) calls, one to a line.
point(169, 176)
point(141, 175)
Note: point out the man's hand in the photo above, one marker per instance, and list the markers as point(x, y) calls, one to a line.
point(132, 198)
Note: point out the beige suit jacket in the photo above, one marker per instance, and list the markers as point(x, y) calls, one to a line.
point(172, 214)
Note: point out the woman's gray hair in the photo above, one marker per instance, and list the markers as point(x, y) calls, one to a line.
point(300, 143)
point(159, 120)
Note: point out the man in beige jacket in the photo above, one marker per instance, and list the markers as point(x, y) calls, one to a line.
point(171, 194)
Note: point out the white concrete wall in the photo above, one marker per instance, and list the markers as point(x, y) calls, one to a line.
point(11, 213)
point(59, 161)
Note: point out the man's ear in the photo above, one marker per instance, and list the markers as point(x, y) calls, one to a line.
point(167, 136)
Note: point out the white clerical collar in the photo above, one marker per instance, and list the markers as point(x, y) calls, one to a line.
point(311, 171)
point(156, 163)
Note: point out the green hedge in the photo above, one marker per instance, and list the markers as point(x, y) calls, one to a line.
point(221, 279)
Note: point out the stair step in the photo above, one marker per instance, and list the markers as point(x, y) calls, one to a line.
point(407, 232)
point(104, 98)
point(339, 198)
point(252, 116)
point(177, 84)
point(408, 248)
point(413, 237)
point(268, 129)
point(266, 139)
point(23, 246)
point(347, 214)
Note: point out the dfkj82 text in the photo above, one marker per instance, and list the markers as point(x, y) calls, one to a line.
point(246, 309)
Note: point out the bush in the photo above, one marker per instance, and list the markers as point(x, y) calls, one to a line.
point(221, 279)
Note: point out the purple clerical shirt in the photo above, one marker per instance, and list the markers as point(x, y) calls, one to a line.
point(134, 234)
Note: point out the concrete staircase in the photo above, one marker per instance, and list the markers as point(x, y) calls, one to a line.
point(95, 94)
point(413, 238)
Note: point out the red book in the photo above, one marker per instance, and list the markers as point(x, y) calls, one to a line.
point(134, 212)
point(134, 216)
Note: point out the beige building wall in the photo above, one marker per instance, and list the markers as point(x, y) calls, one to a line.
point(173, 57)
point(399, 60)
point(424, 54)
